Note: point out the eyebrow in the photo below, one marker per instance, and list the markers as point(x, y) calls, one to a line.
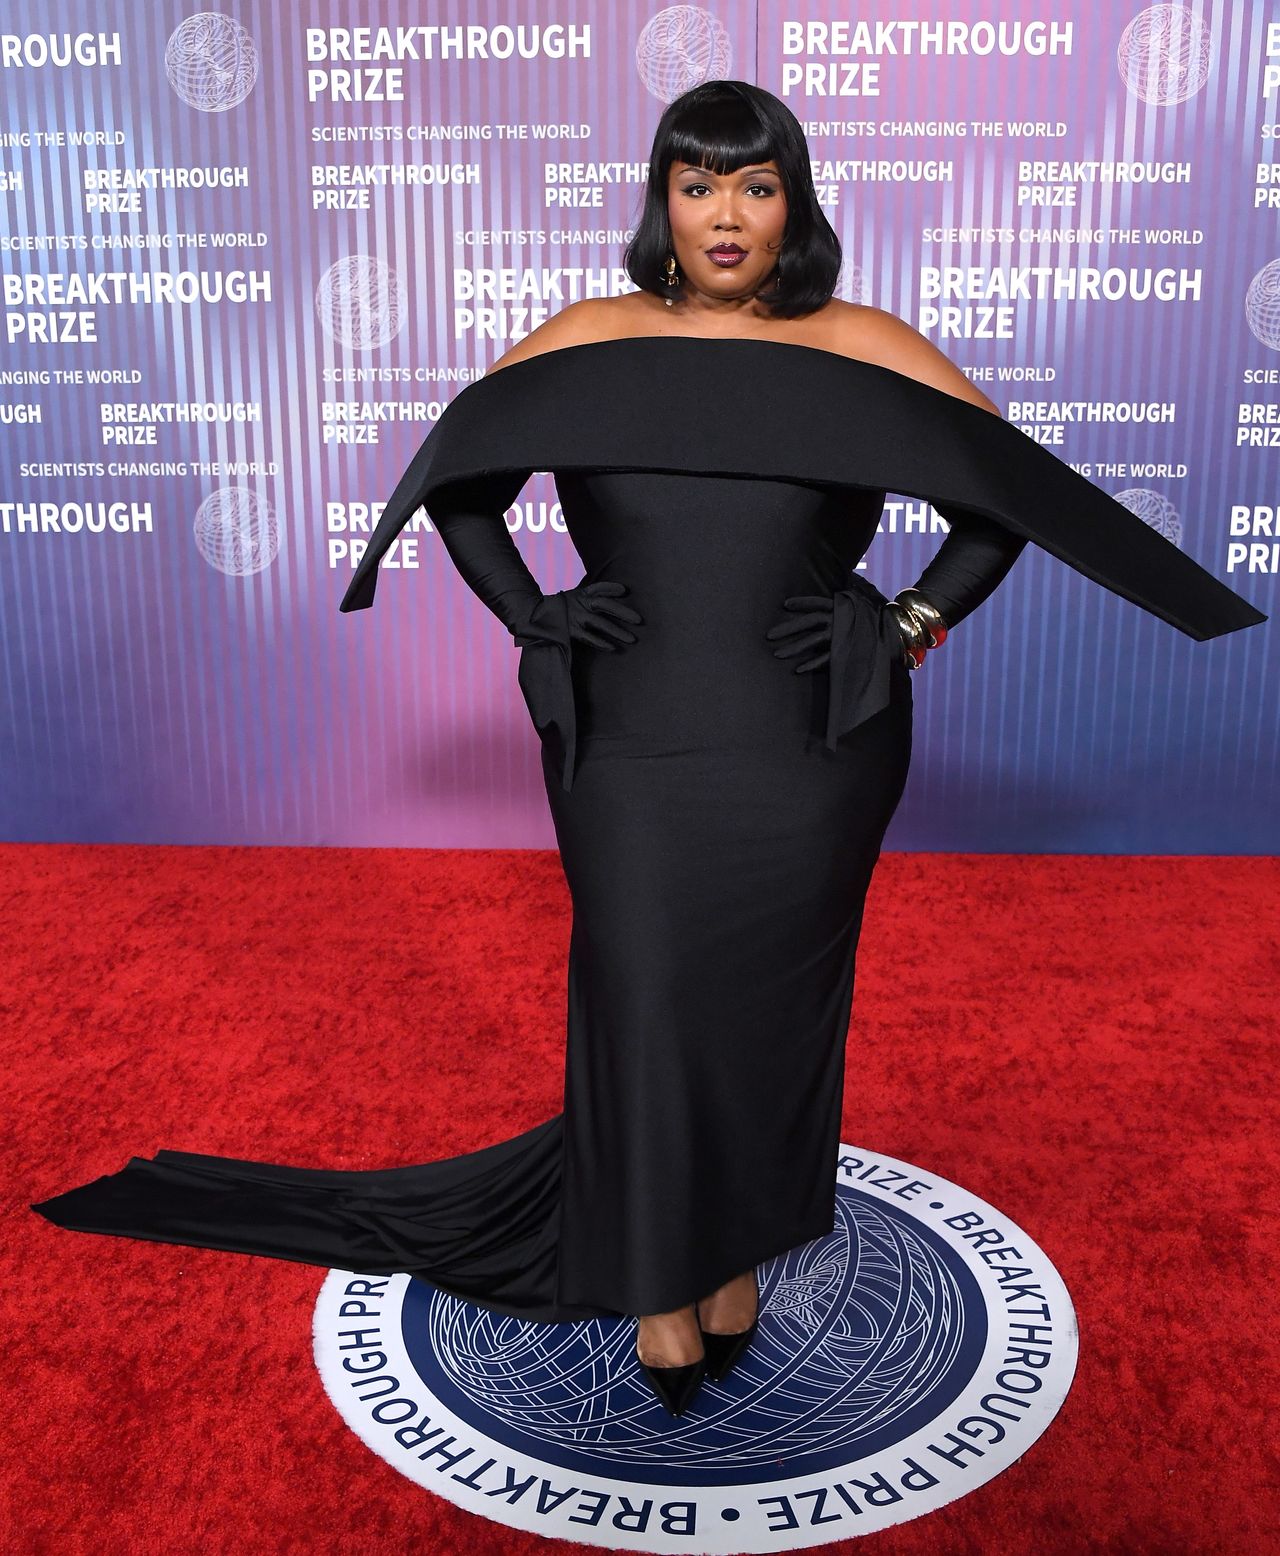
point(741, 171)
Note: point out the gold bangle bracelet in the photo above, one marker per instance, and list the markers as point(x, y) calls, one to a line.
point(926, 613)
point(914, 636)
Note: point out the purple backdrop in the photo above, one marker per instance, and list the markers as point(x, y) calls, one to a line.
point(243, 272)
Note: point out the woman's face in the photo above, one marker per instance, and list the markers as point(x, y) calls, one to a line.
point(747, 207)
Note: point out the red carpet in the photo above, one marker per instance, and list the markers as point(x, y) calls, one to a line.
point(1087, 1042)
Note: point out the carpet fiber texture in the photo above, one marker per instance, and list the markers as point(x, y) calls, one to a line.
point(1088, 1042)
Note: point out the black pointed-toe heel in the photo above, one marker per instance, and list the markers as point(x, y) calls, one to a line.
point(676, 1386)
point(722, 1350)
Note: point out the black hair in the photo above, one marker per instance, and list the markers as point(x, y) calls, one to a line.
point(723, 125)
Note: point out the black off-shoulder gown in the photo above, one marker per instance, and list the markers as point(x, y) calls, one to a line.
point(718, 816)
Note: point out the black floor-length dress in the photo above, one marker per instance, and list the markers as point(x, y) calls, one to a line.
point(718, 815)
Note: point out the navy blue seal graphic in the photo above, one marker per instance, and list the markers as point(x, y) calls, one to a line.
point(867, 1333)
point(900, 1361)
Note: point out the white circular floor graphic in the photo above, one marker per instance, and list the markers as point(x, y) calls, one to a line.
point(900, 1362)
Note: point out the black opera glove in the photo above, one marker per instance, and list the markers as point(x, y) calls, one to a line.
point(973, 559)
point(858, 636)
point(862, 639)
point(589, 613)
point(544, 626)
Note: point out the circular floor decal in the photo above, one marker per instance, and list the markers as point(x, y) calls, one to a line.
point(900, 1362)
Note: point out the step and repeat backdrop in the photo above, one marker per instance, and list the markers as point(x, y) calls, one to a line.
point(249, 253)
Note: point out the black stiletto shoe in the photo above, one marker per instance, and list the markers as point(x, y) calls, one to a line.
point(725, 1349)
point(676, 1386)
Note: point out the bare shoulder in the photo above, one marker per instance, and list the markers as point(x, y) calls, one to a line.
point(881, 337)
point(575, 325)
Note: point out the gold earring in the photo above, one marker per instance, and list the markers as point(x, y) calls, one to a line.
point(670, 269)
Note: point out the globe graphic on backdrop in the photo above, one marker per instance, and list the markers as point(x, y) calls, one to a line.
point(236, 531)
point(211, 62)
point(1164, 54)
point(680, 47)
point(360, 302)
point(1262, 305)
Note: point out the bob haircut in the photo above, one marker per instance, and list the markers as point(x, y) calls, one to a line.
point(720, 126)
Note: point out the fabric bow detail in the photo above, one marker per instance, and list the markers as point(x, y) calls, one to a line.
point(865, 644)
point(546, 680)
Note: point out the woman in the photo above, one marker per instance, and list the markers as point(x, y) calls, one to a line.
point(725, 711)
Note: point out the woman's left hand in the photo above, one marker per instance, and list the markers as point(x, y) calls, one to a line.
point(808, 629)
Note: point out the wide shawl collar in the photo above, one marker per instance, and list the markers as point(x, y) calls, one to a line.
point(805, 414)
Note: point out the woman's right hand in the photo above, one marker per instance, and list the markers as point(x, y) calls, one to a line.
point(594, 613)
point(590, 614)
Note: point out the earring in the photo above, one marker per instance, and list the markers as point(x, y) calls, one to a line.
point(670, 269)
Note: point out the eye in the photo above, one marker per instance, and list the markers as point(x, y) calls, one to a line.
point(768, 189)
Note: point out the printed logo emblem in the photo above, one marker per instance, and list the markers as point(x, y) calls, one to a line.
point(211, 61)
point(236, 531)
point(900, 1362)
point(361, 302)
